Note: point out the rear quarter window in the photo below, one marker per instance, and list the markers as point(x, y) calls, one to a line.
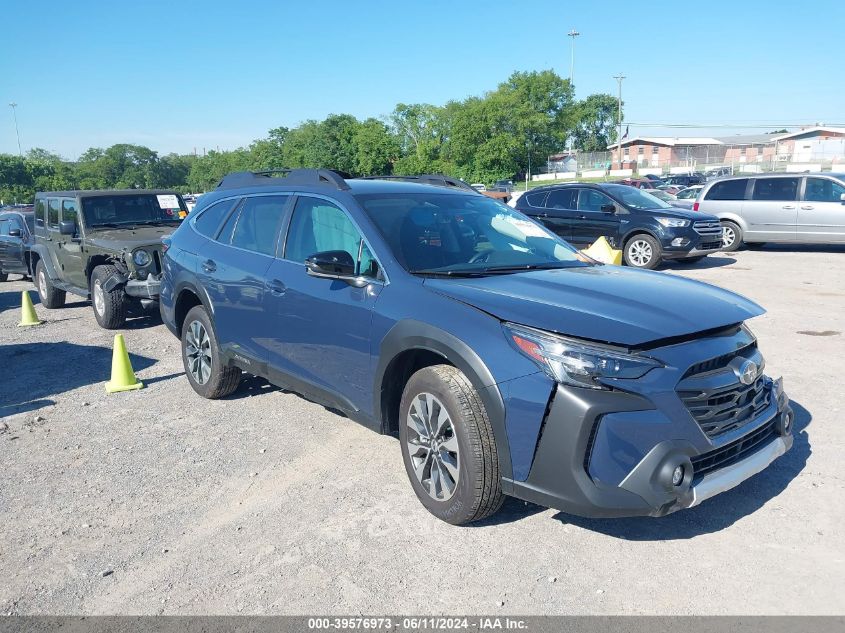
point(728, 190)
point(535, 199)
point(208, 222)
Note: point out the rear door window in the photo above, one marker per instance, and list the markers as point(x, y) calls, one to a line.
point(53, 213)
point(728, 190)
point(823, 190)
point(40, 212)
point(775, 189)
point(208, 222)
point(69, 211)
point(258, 225)
point(562, 199)
point(4, 226)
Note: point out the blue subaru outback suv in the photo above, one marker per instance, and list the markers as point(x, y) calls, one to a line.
point(505, 362)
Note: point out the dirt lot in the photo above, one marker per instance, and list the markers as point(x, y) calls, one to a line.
point(157, 501)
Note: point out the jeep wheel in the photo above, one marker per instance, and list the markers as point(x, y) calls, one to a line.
point(109, 307)
point(204, 368)
point(50, 296)
point(731, 237)
point(448, 446)
point(643, 251)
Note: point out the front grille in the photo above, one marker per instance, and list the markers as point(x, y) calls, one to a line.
point(708, 228)
point(157, 262)
point(720, 362)
point(718, 411)
point(708, 245)
point(733, 452)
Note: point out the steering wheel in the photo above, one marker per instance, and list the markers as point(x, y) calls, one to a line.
point(482, 256)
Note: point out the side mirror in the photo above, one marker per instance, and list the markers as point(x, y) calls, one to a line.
point(334, 265)
point(67, 227)
point(608, 208)
point(842, 197)
point(14, 232)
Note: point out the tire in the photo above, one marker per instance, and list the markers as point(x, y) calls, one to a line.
point(109, 307)
point(642, 251)
point(198, 335)
point(50, 296)
point(477, 491)
point(731, 236)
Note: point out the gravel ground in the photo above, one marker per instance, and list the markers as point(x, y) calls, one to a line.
point(157, 501)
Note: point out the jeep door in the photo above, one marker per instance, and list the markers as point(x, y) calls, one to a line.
point(322, 326)
point(69, 247)
point(821, 213)
point(595, 218)
point(771, 212)
point(233, 270)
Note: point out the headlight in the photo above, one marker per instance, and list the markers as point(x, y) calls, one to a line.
point(669, 222)
point(141, 257)
point(573, 363)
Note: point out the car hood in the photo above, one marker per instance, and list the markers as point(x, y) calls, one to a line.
point(602, 303)
point(119, 239)
point(677, 212)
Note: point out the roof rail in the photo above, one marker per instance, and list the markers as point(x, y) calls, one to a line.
point(313, 177)
point(428, 179)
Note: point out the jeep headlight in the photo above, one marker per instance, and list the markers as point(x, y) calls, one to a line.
point(672, 222)
point(141, 258)
point(574, 363)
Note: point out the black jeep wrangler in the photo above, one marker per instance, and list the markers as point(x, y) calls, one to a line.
point(102, 244)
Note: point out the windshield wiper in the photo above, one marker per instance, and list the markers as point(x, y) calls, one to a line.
point(112, 225)
point(526, 267)
point(448, 273)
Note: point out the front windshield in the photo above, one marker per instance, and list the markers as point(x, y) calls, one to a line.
point(636, 198)
point(457, 233)
point(133, 209)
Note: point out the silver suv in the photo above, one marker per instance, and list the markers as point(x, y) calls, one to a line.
point(780, 208)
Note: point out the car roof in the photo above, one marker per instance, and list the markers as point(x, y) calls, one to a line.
point(93, 193)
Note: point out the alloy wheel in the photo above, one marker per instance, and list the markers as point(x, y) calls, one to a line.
point(728, 236)
point(640, 253)
point(42, 283)
point(198, 352)
point(99, 298)
point(433, 447)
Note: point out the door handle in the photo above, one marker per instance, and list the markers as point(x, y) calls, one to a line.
point(209, 266)
point(582, 217)
point(276, 287)
point(788, 206)
point(807, 207)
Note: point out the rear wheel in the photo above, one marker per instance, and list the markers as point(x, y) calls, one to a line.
point(50, 296)
point(448, 446)
point(642, 251)
point(109, 306)
point(208, 376)
point(731, 236)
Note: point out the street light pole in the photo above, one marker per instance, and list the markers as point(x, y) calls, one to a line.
point(14, 105)
point(573, 34)
point(619, 79)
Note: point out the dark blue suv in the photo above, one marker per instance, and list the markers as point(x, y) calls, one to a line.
point(505, 362)
point(646, 229)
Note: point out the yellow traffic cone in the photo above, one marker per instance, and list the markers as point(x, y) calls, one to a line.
point(122, 375)
point(28, 315)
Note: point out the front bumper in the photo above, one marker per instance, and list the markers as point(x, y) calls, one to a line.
point(571, 470)
point(695, 252)
point(148, 288)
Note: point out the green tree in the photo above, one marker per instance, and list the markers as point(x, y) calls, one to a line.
point(596, 123)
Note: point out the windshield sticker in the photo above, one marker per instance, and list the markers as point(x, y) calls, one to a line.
point(168, 201)
point(528, 229)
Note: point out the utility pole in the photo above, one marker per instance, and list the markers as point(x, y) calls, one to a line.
point(573, 34)
point(619, 79)
point(14, 106)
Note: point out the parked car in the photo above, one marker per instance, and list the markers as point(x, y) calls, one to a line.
point(16, 238)
point(671, 189)
point(685, 180)
point(648, 230)
point(662, 195)
point(505, 186)
point(102, 244)
point(639, 183)
point(777, 208)
point(479, 187)
point(505, 362)
point(717, 172)
point(685, 198)
point(657, 180)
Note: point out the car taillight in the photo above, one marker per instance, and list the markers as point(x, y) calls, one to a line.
point(695, 206)
point(165, 244)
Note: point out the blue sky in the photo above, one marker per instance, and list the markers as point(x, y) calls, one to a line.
point(185, 74)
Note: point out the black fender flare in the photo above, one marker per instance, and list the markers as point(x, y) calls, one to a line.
point(200, 293)
point(43, 254)
point(411, 334)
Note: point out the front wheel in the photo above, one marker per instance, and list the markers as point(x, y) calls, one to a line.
point(731, 236)
point(109, 307)
point(643, 251)
point(50, 296)
point(448, 446)
point(208, 376)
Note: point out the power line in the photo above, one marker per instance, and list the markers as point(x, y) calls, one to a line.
point(735, 125)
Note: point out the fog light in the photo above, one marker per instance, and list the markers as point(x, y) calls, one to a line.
point(680, 241)
point(678, 476)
